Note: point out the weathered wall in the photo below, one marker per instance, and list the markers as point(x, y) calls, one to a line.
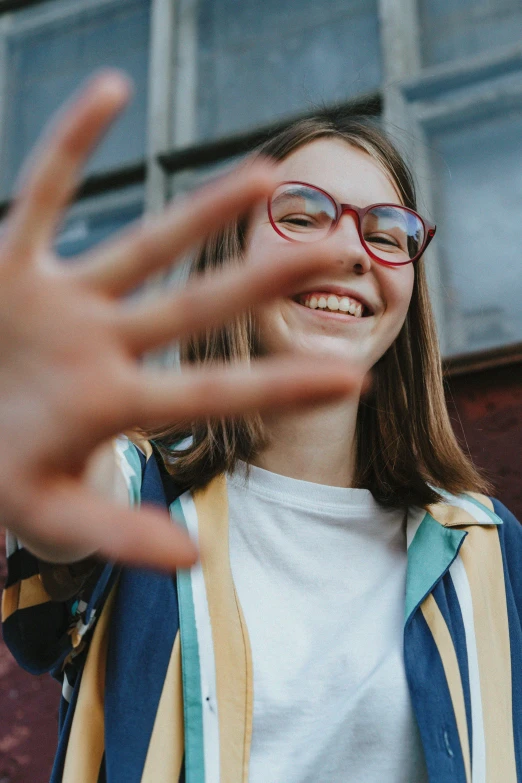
point(28, 718)
point(486, 409)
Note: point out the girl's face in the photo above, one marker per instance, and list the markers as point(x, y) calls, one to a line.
point(352, 177)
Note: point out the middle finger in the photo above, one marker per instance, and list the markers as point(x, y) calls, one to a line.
point(120, 265)
point(217, 296)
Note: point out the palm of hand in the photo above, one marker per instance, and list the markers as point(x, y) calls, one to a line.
point(70, 376)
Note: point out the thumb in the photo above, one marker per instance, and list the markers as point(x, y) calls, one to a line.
point(75, 518)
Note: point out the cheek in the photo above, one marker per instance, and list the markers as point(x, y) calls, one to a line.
point(259, 240)
point(398, 288)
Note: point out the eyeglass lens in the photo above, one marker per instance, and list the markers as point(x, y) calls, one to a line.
point(304, 214)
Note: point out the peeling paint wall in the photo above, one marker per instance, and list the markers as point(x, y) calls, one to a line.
point(486, 410)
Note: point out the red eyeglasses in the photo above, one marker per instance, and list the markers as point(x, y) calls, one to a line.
point(391, 234)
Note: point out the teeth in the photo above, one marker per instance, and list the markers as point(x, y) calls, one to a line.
point(334, 303)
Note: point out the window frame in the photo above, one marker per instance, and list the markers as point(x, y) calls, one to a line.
point(444, 95)
point(412, 97)
point(111, 179)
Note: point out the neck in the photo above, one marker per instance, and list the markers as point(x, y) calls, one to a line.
point(315, 445)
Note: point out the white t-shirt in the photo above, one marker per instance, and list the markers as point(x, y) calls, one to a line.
point(320, 573)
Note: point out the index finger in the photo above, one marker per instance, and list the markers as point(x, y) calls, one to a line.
point(121, 264)
point(50, 176)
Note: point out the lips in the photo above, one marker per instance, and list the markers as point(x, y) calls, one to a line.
point(335, 299)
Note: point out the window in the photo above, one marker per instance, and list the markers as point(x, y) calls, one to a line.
point(260, 61)
point(50, 49)
point(453, 29)
point(93, 220)
point(212, 76)
point(479, 207)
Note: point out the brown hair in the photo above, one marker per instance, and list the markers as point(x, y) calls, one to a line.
point(405, 445)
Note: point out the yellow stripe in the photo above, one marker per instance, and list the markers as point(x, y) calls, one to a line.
point(10, 598)
point(86, 742)
point(249, 711)
point(22, 595)
point(229, 634)
point(451, 516)
point(482, 558)
point(142, 443)
point(442, 637)
point(165, 753)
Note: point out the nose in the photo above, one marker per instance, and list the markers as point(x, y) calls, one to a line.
point(352, 254)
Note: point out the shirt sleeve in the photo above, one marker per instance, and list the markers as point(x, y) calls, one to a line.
point(49, 610)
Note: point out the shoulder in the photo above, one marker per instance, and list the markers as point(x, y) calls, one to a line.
point(510, 530)
point(508, 526)
point(507, 517)
point(472, 511)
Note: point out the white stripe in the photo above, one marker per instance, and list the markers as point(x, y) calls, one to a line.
point(206, 652)
point(473, 510)
point(415, 517)
point(182, 445)
point(123, 448)
point(11, 544)
point(82, 628)
point(67, 689)
point(463, 590)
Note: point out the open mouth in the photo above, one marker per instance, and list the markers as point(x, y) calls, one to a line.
point(331, 303)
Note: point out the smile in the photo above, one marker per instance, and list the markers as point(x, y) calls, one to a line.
point(323, 300)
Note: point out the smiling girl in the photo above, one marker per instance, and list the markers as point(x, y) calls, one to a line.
point(354, 612)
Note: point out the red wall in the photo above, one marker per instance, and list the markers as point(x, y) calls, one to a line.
point(28, 718)
point(486, 409)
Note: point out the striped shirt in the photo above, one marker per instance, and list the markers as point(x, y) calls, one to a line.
point(157, 671)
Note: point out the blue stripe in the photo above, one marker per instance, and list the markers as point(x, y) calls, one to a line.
point(446, 597)
point(143, 627)
point(101, 591)
point(37, 637)
point(66, 719)
point(432, 703)
point(510, 535)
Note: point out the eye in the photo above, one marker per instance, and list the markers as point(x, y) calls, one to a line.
point(383, 239)
point(298, 221)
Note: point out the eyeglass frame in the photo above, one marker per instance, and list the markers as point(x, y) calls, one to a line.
point(360, 212)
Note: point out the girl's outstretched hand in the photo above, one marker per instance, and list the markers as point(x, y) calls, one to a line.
point(70, 378)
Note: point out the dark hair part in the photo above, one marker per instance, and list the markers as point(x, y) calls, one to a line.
point(405, 445)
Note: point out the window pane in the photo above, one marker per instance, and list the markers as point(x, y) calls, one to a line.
point(453, 29)
point(92, 220)
point(257, 61)
point(48, 59)
point(480, 231)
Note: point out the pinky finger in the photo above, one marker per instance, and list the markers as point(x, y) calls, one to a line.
point(206, 392)
point(145, 538)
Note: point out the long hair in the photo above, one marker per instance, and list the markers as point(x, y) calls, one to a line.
point(405, 445)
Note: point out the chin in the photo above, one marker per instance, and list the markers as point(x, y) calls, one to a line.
point(344, 349)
